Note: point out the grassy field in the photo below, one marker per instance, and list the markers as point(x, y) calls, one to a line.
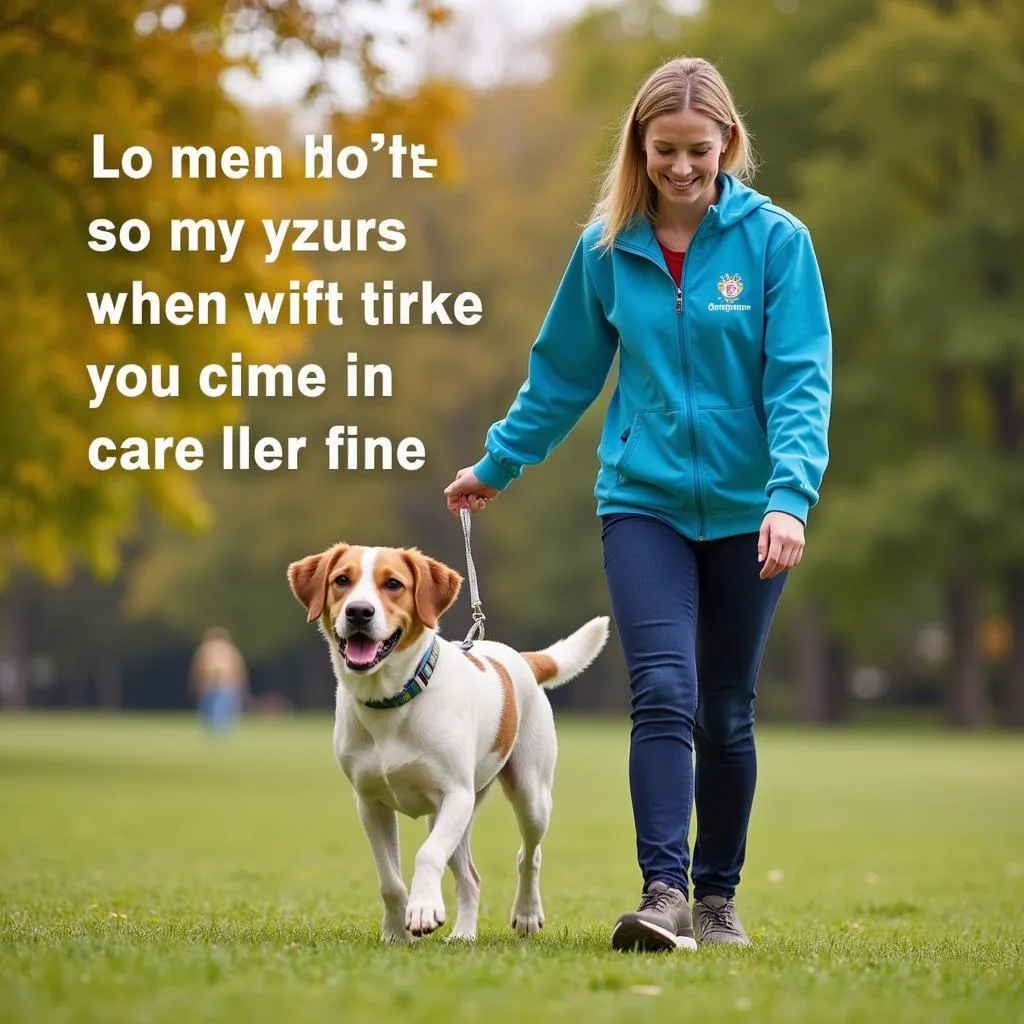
point(149, 873)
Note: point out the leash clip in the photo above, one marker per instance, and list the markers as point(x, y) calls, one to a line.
point(476, 631)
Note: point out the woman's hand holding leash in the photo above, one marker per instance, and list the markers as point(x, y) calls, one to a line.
point(465, 494)
point(780, 545)
point(466, 491)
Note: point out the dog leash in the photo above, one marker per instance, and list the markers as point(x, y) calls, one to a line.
point(476, 631)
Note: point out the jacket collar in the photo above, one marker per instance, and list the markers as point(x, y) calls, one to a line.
point(638, 235)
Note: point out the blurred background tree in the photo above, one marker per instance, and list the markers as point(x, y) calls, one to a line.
point(917, 207)
point(148, 74)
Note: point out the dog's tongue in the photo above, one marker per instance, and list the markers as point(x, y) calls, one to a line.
point(361, 650)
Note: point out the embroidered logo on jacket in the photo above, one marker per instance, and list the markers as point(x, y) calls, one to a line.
point(730, 287)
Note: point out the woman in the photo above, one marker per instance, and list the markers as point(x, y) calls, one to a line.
point(712, 453)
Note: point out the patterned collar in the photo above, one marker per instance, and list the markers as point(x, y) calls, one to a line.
point(415, 686)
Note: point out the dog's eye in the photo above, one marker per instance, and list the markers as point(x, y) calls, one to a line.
point(392, 584)
point(341, 581)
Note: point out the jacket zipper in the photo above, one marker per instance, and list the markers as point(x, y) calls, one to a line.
point(698, 483)
point(681, 341)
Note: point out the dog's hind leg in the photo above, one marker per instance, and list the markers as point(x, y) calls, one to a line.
point(529, 791)
point(381, 826)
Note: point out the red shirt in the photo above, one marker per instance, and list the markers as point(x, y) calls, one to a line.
point(674, 261)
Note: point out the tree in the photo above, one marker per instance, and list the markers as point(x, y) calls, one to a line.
point(920, 205)
point(153, 79)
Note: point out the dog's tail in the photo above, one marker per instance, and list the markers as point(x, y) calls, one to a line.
point(567, 658)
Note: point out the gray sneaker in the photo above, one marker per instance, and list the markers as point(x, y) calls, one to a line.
point(716, 920)
point(662, 921)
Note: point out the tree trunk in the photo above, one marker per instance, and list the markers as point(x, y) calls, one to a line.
point(837, 668)
point(1001, 380)
point(965, 701)
point(14, 649)
point(108, 684)
point(316, 686)
point(821, 669)
point(1013, 690)
point(812, 664)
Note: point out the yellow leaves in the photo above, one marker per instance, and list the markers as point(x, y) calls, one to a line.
point(99, 74)
point(104, 555)
point(70, 167)
point(177, 495)
point(108, 344)
point(28, 95)
point(46, 549)
point(17, 41)
point(37, 477)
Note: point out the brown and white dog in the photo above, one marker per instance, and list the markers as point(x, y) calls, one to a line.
point(424, 727)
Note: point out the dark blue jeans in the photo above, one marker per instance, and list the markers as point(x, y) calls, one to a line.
point(693, 619)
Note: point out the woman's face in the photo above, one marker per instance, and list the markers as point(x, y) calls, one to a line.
point(683, 151)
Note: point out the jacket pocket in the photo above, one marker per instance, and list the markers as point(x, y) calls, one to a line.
point(657, 459)
point(735, 460)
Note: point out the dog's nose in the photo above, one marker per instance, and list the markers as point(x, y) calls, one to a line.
point(358, 613)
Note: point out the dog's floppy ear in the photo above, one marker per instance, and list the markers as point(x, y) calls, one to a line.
point(310, 576)
point(435, 587)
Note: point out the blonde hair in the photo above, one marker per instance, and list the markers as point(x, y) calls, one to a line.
point(686, 83)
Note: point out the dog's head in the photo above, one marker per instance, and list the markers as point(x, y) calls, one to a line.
point(371, 602)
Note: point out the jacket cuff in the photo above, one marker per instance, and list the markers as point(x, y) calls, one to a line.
point(491, 472)
point(784, 499)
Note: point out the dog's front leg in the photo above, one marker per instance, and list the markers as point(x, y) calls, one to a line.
point(381, 826)
point(467, 885)
point(425, 911)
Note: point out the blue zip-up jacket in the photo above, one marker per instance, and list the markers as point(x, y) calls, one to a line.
point(721, 409)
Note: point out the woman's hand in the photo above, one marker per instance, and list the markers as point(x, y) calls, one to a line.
point(780, 545)
point(466, 491)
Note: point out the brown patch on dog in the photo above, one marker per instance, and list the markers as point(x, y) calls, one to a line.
point(474, 661)
point(508, 723)
point(310, 578)
point(542, 665)
point(435, 585)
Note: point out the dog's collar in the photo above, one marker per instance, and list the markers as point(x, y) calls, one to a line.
point(415, 686)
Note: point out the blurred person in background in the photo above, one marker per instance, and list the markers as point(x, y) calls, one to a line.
point(218, 680)
point(713, 450)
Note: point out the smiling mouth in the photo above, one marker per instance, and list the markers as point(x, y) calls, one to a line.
point(681, 185)
point(362, 652)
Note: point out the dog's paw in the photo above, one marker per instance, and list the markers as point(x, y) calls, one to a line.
point(527, 920)
point(424, 916)
point(461, 935)
point(393, 937)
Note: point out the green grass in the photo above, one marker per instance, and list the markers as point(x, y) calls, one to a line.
point(149, 873)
